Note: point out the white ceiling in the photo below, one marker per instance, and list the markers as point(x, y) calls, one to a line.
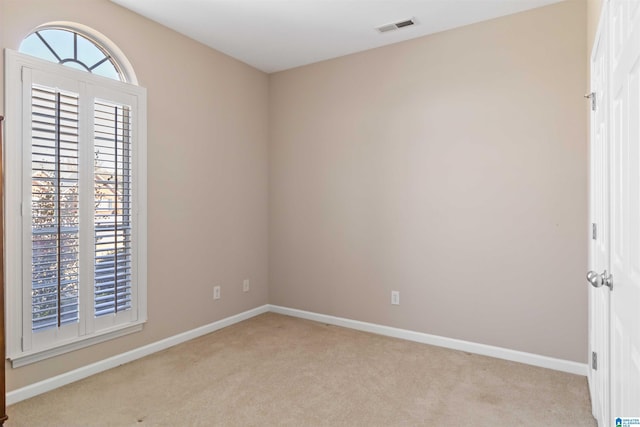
point(274, 35)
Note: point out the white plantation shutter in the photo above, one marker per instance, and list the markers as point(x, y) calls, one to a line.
point(76, 191)
point(112, 215)
point(54, 207)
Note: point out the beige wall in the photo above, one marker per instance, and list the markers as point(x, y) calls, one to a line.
point(207, 138)
point(451, 168)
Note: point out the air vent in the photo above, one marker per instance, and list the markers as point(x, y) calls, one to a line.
point(396, 25)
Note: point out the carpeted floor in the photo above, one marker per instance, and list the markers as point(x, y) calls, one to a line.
point(277, 370)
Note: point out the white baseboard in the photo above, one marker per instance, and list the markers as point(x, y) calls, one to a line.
point(470, 347)
point(120, 359)
point(49, 384)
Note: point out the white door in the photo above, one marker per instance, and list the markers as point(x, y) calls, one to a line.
point(624, 33)
point(599, 218)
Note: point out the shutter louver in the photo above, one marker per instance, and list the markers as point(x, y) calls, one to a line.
point(54, 208)
point(112, 215)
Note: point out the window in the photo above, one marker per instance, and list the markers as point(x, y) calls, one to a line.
point(69, 48)
point(75, 196)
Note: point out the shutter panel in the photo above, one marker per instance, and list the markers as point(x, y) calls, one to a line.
point(113, 205)
point(54, 208)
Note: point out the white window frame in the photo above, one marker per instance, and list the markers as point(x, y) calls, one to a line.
point(90, 330)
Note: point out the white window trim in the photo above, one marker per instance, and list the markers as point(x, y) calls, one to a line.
point(27, 358)
point(13, 168)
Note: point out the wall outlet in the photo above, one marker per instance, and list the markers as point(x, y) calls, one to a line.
point(245, 285)
point(216, 292)
point(395, 297)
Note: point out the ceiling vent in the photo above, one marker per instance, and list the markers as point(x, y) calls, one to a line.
point(396, 25)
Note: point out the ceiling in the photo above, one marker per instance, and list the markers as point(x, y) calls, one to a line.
point(275, 35)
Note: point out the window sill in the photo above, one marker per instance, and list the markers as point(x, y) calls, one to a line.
point(36, 356)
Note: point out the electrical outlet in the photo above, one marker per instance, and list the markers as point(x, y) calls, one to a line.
point(216, 292)
point(245, 285)
point(395, 297)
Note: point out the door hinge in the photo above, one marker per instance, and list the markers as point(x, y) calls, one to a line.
point(594, 360)
point(594, 231)
point(592, 97)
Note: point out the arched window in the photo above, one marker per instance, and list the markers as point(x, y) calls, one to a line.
point(80, 47)
point(72, 49)
point(75, 192)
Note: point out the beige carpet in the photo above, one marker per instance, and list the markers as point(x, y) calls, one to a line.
point(276, 370)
